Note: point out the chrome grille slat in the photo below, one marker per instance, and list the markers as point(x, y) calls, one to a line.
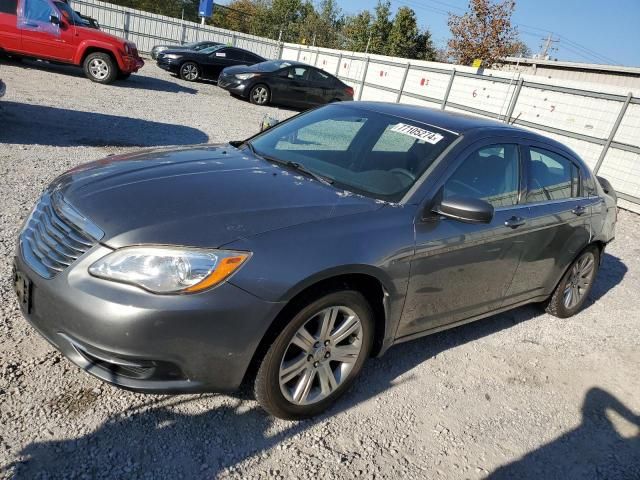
point(52, 240)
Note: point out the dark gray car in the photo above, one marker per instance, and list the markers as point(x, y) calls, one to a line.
point(292, 257)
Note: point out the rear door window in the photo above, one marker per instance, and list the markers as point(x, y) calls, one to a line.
point(320, 77)
point(233, 54)
point(551, 176)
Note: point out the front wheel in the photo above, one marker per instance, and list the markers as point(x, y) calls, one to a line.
point(573, 290)
point(189, 71)
point(316, 357)
point(99, 67)
point(260, 95)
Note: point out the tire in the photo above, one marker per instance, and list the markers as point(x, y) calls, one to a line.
point(99, 67)
point(573, 290)
point(306, 389)
point(260, 94)
point(123, 76)
point(190, 71)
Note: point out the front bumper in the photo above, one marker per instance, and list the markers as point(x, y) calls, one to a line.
point(233, 85)
point(145, 342)
point(132, 63)
point(168, 65)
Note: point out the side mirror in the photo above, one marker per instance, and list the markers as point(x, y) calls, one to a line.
point(268, 122)
point(54, 19)
point(465, 209)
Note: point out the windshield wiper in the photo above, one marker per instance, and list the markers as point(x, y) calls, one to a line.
point(301, 168)
point(291, 164)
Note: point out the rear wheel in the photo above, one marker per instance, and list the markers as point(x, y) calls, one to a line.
point(260, 95)
point(99, 67)
point(316, 357)
point(189, 71)
point(573, 290)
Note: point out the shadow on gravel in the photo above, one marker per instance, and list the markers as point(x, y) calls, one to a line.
point(160, 440)
point(136, 80)
point(595, 449)
point(27, 124)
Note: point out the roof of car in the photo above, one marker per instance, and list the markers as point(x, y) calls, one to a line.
point(452, 121)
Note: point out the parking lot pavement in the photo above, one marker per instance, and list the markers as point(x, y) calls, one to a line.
point(518, 395)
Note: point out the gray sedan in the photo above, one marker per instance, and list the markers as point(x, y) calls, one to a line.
point(290, 258)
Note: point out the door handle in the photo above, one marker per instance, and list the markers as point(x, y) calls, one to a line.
point(579, 210)
point(515, 222)
point(31, 24)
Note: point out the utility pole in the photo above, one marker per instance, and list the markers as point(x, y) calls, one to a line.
point(547, 47)
point(366, 50)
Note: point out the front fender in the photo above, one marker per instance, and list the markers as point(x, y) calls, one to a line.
point(96, 44)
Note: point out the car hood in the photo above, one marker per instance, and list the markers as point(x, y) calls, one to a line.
point(204, 196)
point(246, 69)
point(88, 33)
point(178, 51)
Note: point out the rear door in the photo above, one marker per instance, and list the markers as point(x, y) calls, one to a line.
point(320, 88)
point(9, 33)
point(559, 225)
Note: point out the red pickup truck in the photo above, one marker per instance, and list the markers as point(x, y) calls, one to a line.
point(51, 30)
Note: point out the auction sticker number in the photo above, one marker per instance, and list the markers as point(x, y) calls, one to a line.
point(419, 133)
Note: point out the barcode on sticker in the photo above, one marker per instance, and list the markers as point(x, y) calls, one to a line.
point(417, 132)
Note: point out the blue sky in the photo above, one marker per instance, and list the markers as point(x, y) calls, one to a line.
point(589, 31)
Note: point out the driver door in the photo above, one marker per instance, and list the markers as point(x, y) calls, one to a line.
point(462, 270)
point(42, 38)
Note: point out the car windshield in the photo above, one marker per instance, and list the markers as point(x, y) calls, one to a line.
point(201, 45)
point(211, 49)
point(272, 65)
point(360, 150)
point(69, 14)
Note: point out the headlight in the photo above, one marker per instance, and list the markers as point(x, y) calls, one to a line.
point(246, 76)
point(172, 56)
point(169, 269)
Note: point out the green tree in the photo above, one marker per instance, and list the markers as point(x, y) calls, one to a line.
point(404, 35)
point(381, 28)
point(356, 31)
point(425, 49)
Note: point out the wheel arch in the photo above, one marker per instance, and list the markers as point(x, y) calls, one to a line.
point(88, 49)
point(369, 285)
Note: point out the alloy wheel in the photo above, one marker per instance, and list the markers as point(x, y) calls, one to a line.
point(260, 95)
point(190, 71)
point(99, 68)
point(321, 355)
point(579, 280)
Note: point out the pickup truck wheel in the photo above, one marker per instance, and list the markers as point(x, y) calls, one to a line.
point(189, 71)
point(100, 67)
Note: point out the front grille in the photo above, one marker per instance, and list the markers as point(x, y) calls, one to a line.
point(55, 236)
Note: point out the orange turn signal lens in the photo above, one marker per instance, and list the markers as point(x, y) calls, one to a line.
point(223, 270)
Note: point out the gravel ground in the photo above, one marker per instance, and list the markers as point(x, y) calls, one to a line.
point(519, 395)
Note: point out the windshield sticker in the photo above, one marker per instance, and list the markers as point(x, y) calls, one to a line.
point(419, 133)
point(221, 54)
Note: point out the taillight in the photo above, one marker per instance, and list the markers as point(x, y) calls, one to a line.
point(349, 91)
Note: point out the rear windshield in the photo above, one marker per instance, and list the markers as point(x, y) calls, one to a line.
point(364, 151)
